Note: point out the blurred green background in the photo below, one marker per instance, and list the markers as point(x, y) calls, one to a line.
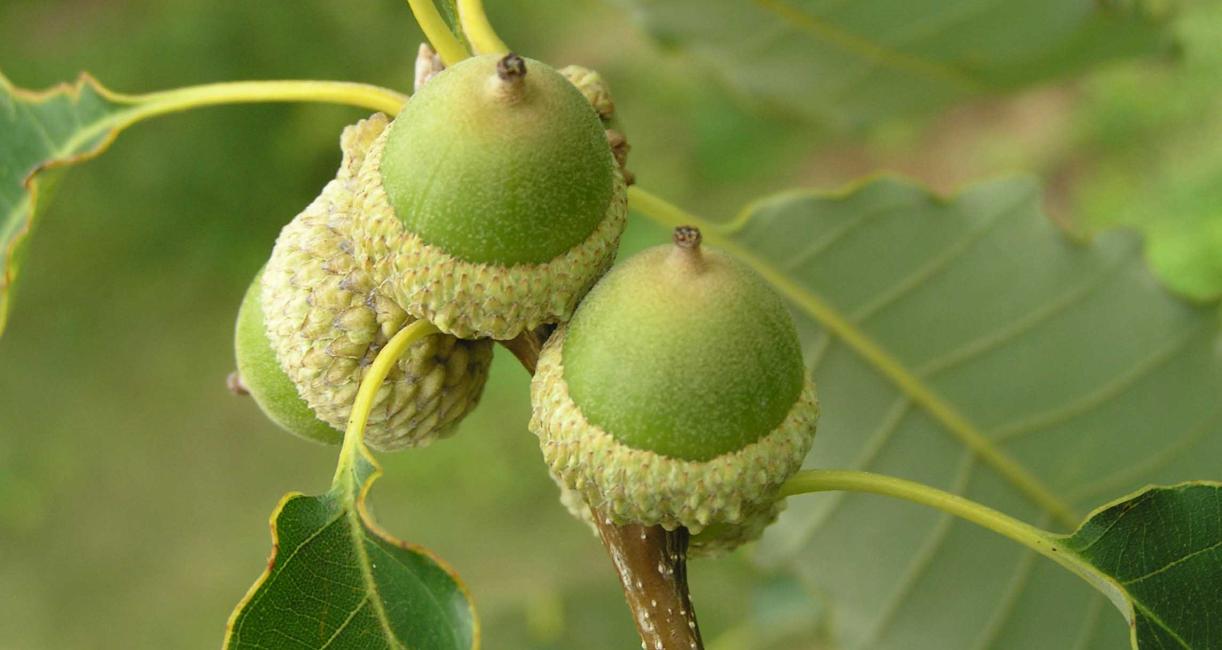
point(135, 490)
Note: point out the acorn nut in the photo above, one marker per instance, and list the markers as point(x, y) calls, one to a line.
point(493, 201)
point(324, 320)
point(677, 395)
point(264, 379)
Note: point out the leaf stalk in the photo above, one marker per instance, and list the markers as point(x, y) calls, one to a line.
point(478, 28)
point(437, 31)
point(354, 435)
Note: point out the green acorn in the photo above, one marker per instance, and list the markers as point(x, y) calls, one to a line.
point(677, 395)
point(325, 320)
point(262, 376)
point(598, 94)
point(493, 202)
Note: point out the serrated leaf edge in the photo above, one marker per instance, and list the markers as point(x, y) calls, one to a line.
point(365, 519)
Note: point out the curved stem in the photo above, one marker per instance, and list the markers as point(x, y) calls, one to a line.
point(665, 212)
point(1041, 541)
point(981, 515)
point(247, 92)
point(354, 435)
point(166, 102)
point(437, 31)
point(478, 28)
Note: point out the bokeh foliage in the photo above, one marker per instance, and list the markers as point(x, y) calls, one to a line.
point(134, 489)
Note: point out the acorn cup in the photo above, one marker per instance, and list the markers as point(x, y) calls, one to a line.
point(493, 202)
point(677, 396)
point(314, 320)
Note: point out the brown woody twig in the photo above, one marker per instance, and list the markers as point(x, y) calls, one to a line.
point(651, 561)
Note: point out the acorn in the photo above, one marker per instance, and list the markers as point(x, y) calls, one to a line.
point(325, 319)
point(493, 202)
point(262, 377)
point(598, 94)
point(677, 395)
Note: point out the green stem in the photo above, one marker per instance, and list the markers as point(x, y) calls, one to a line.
point(829, 480)
point(166, 102)
point(1036, 539)
point(478, 28)
point(246, 92)
point(354, 435)
point(667, 213)
point(437, 31)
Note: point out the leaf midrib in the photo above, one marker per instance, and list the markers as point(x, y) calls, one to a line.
point(907, 381)
point(348, 492)
point(867, 49)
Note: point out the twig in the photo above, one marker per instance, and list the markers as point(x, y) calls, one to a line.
point(652, 566)
point(651, 561)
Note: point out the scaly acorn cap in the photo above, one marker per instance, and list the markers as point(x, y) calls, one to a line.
point(326, 320)
point(677, 395)
point(712, 541)
point(593, 88)
point(493, 202)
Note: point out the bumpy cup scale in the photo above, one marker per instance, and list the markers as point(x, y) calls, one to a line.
point(677, 396)
point(493, 202)
point(326, 319)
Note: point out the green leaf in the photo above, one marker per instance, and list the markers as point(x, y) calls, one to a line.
point(449, 12)
point(336, 580)
point(852, 63)
point(1154, 164)
point(965, 343)
point(39, 131)
point(1159, 554)
point(1156, 554)
point(69, 124)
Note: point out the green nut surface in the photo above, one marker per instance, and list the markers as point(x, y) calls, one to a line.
point(688, 354)
point(496, 175)
point(266, 381)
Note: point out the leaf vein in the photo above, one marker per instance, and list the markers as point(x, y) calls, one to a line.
point(921, 561)
point(1174, 563)
point(1032, 320)
point(866, 49)
point(935, 265)
point(1100, 396)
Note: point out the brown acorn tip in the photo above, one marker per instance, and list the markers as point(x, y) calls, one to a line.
point(687, 237)
point(686, 253)
point(236, 385)
point(511, 68)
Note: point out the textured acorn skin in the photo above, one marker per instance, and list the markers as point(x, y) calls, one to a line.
point(490, 216)
point(687, 362)
point(263, 377)
point(665, 344)
point(326, 320)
